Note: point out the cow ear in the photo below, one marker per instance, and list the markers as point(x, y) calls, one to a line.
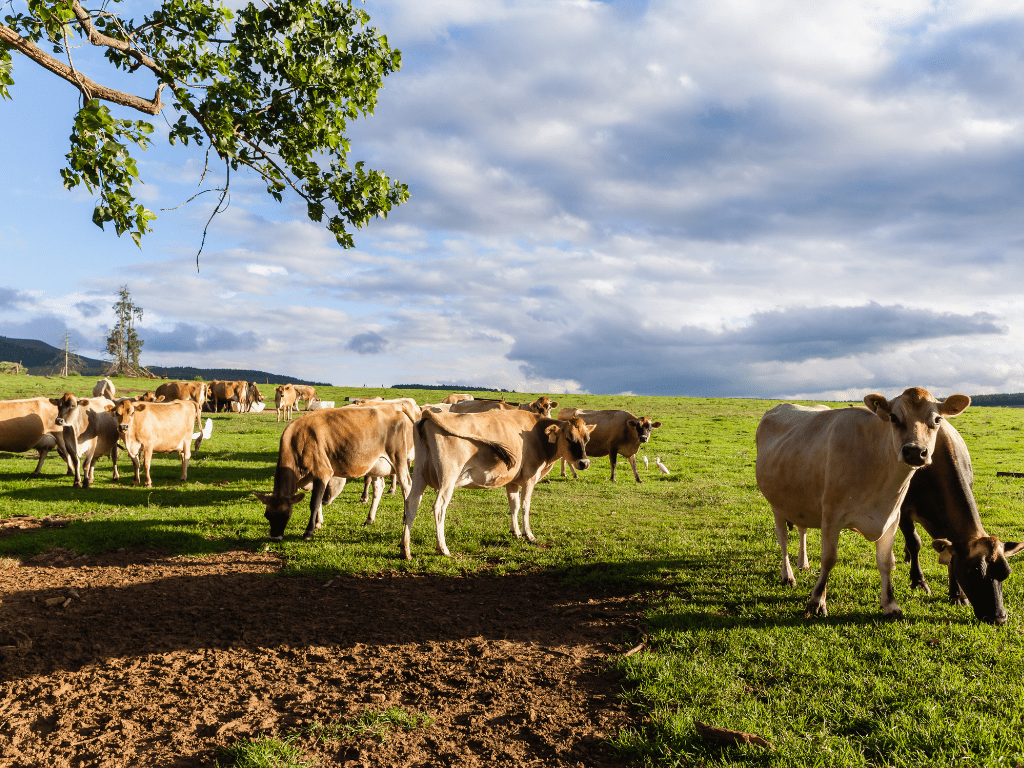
point(161, 399)
point(632, 424)
point(954, 405)
point(109, 408)
point(264, 497)
point(945, 549)
point(591, 428)
point(879, 405)
point(552, 433)
point(140, 406)
point(55, 400)
point(655, 425)
point(1011, 548)
point(554, 404)
point(298, 497)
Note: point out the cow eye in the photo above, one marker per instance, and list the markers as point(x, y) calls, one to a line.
point(894, 419)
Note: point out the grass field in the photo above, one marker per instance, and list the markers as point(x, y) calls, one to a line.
point(727, 645)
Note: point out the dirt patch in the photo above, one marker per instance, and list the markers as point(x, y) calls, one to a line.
point(135, 658)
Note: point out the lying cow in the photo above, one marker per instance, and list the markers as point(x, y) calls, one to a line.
point(615, 433)
point(284, 400)
point(148, 428)
point(847, 468)
point(511, 449)
point(941, 501)
point(90, 431)
point(196, 391)
point(30, 423)
point(323, 448)
point(104, 388)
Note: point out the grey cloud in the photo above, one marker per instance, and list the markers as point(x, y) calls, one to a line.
point(186, 337)
point(10, 298)
point(88, 309)
point(369, 343)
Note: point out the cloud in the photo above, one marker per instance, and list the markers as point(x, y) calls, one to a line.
point(186, 337)
point(11, 299)
point(89, 309)
point(369, 343)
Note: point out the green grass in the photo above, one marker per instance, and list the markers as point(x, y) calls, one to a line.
point(726, 645)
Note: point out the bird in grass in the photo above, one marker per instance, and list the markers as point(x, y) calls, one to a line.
point(647, 464)
point(661, 467)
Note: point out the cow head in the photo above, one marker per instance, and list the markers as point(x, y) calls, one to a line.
point(643, 427)
point(543, 406)
point(915, 417)
point(254, 393)
point(279, 512)
point(66, 406)
point(570, 438)
point(980, 567)
point(149, 397)
point(124, 414)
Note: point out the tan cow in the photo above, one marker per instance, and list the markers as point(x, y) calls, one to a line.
point(252, 396)
point(146, 397)
point(90, 431)
point(323, 447)
point(305, 392)
point(847, 468)
point(409, 406)
point(284, 399)
point(542, 406)
point(104, 388)
point(227, 392)
point(482, 406)
point(148, 428)
point(30, 423)
point(196, 391)
point(456, 398)
point(511, 449)
point(617, 432)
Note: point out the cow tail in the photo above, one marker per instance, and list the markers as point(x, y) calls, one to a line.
point(199, 425)
point(505, 453)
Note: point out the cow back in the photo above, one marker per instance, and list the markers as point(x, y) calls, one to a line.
point(24, 422)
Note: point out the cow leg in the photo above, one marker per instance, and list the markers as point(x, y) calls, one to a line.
point(74, 460)
point(186, 454)
point(956, 593)
point(367, 481)
point(147, 461)
point(801, 561)
point(513, 509)
point(444, 496)
point(43, 452)
point(527, 494)
point(391, 488)
point(912, 553)
point(135, 465)
point(378, 492)
point(316, 514)
point(113, 459)
point(613, 457)
point(563, 467)
point(632, 463)
point(412, 504)
point(787, 579)
point(829, 555)
point(334, 488)
point(886, 561)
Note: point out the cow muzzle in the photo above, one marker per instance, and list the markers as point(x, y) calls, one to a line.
point(583, 464)
point(59, 421)
point(915, 455)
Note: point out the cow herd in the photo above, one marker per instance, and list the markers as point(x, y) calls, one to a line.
point(873, 469)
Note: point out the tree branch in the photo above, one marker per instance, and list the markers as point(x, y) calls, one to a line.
point(80, 81)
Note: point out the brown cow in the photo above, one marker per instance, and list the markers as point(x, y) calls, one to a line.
point(542, 406)
point(284, 398)
point(104, 388)
point(482, 406)
point(252, 396)
point(409, 406)
point(196, 391)
point(326, 446)
point(227, 392)
point(305, 392)
point(29, 423)
point(618, 432)
point(89, 432)
point(148, 428)
point(456, 398)
point(511, 449)
point(145, 397)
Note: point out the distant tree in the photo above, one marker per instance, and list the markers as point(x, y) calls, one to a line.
point(68, 362)
point(270, 87)
point(123, 344)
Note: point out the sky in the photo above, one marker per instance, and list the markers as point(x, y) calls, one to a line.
point(732, 199)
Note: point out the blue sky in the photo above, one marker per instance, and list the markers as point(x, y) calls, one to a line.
point(710, 199)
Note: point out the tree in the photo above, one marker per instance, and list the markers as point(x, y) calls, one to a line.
point(123, 343)
point(68, 361)
point(268, 88)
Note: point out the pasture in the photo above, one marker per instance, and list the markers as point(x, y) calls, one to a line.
point(724, 643)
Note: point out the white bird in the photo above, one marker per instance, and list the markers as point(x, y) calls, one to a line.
point(647, 464)
point(661, 467)
point(207, 430)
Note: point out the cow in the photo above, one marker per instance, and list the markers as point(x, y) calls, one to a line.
point(406, 404)
point(941, 500)
point(148, 428)
point(482, 406)
point(542, 405)
point(456, 398)
point(511, 449)
point(305, 392)
point(847, 468)
point(252, 396)
point(227, 392)
point(196, 391)
point(617, 432)
point(364, 400)
point(284, 399)
point(324, 447)
point(104, 388)
point(30, 423)
point(146, 397)
point(90, 431)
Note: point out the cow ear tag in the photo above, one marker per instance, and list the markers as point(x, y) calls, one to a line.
point(945, 549)
point(879, 405)
point(552, 433)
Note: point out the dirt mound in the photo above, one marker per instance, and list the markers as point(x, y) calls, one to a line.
point(135, 658)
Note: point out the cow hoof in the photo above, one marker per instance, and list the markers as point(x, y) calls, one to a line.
point(76, 485)
point(405, 554)
point(922, 585)
point(815, 609)
point(367, 523)
point(959, 600)
point(276, 538)
point(895, 614)
point(307, 536)
point(790, 582)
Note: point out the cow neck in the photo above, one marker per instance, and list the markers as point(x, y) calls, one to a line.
point(952, 467)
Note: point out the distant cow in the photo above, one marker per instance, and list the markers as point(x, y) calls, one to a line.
point(104, 388)
point(456, 398)
point(196, 391)
point(90, 431)
point(510, 449)
point(227, 392)
point(252, 396)
point(305, 392)
point(847, 468)
point(541, 406)
point(941, 500)
point(615, 433)
point(326, 446)
point(30, 423)
point(148, 428)
point(284, 400)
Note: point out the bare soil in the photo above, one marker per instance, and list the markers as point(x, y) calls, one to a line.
point(136, 658)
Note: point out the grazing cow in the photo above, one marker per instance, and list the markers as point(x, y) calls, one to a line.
point(227, 392)
point(90, 431)
point(542, 405)
point(617, 432)
point(514, 449)
point(30, 423)
point(284, 399)
point(196, 391)
point(456, 398)
point(324, 447)
point(847, 468)
point(252, 396)
point(941, 500)
point(305, 392)
point(104, 388)
point(148, 428)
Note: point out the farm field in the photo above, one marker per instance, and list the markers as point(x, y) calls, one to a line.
point(191, 634)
